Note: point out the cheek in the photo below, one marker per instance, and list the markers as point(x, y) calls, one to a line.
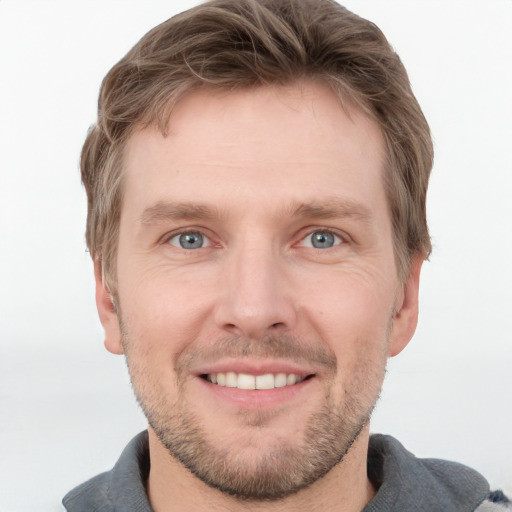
point(164, 309)
point(351, 307)
point(354, 321)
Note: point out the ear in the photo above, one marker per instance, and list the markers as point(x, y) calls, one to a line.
point(405, 317)
point(107, 312)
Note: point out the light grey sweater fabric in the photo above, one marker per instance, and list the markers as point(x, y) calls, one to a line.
point(405, 483)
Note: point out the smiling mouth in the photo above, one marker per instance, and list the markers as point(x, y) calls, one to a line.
point(247, 381)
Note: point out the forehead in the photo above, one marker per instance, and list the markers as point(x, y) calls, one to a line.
point(287, 144)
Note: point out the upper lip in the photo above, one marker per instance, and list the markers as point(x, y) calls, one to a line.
point(254, 367)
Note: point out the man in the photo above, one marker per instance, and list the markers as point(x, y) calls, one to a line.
point(256, 188)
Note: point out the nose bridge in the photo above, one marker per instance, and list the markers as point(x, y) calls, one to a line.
point(254, 299)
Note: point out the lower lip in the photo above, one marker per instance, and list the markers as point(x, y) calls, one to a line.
point(256, 398)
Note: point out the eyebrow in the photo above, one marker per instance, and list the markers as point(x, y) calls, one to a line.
point(331, 208)
point(169, 211)
point(328, 208)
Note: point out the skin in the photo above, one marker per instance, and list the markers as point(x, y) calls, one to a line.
point(257, 172)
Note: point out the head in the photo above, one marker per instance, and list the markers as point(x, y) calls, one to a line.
point(256, 185)
point(231, 45)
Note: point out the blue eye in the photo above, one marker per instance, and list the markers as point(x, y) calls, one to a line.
point(322, 240)
point(191, 240)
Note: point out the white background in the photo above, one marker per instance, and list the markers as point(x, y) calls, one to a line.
point(66, 407)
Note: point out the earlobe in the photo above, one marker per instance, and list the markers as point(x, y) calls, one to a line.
point(405, 316)
point(107, 311)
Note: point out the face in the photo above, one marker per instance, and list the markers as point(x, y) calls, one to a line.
point(258, 297)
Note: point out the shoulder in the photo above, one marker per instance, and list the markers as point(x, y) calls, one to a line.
point(91, 495)
point(122, 488)
point(406, 482)
point(495, 502)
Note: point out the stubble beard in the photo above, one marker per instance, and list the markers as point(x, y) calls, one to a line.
point(283, 470)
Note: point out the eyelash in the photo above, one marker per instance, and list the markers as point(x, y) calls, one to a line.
point(338, 239)
point(168, 239)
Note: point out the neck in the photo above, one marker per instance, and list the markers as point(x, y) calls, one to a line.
point(345, 488)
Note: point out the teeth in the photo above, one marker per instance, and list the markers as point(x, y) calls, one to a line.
point(231, 380)
point(265, 381)
point(280, 380)
point(245, 381)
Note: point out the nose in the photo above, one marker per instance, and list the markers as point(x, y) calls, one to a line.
point(254, 296)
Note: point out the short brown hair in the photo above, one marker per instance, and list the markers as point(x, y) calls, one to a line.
point(235, 44)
